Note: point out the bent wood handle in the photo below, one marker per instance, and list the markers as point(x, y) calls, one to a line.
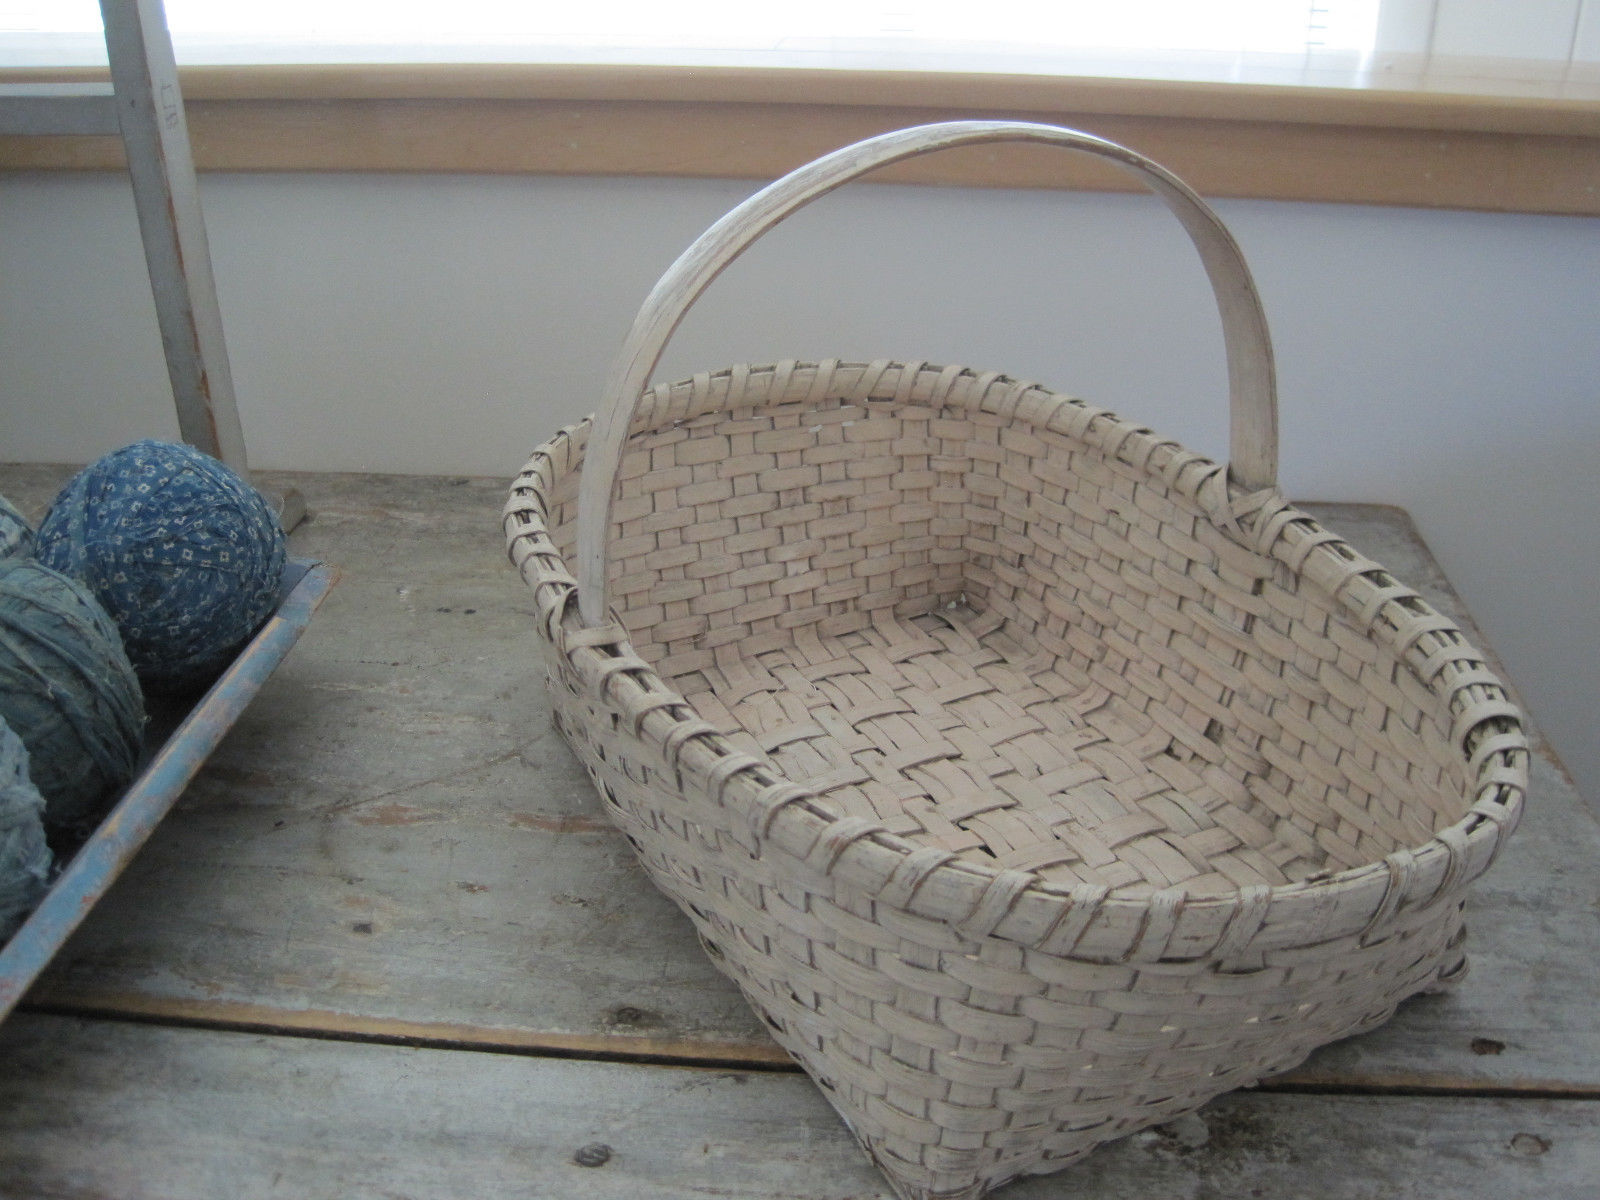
point(1253, 403)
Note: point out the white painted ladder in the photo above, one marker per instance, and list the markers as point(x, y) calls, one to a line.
point(142, 105)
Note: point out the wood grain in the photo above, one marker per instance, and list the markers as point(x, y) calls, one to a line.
point(394, 843)
point(91, 1109)
point(1484, 95)
point(1497, 153)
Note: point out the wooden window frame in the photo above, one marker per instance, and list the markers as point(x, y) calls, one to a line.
point(1489, 150)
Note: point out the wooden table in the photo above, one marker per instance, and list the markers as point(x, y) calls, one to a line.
point(387, 946)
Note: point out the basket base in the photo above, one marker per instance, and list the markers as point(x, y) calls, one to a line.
point(945, 729)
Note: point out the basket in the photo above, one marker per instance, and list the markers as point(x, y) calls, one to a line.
point(1035, 778)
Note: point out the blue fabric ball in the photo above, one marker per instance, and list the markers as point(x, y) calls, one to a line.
point(16, 535)
point(185, 555)
point(68, 691)
point(25, 856)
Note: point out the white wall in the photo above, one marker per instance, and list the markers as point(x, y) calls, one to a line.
point(1445, 362)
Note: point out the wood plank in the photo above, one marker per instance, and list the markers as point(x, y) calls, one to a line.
point(393, 843)
point(393, 840)
point(1486, 170)
point(1491, 96)
point(91, 1109)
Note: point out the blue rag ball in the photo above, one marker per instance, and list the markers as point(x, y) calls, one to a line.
point(185, 555)
point(16, 535)
point(25, 856)
point(68, 691)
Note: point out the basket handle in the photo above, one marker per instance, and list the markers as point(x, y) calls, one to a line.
point(1253, 403)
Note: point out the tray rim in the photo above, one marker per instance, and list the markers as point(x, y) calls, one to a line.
point(89, 874)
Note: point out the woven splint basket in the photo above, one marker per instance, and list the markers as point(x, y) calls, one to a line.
point(1035, 778)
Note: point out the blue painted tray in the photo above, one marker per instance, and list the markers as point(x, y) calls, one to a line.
point(177, 743)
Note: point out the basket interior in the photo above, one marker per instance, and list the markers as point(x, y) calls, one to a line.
point(1009, 643)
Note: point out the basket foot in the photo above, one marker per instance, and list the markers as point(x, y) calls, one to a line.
point(1449, 976)
point(910, 1181)
point(902, 1191)
point(1456, 965)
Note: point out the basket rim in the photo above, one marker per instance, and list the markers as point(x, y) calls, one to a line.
point(1084, 921)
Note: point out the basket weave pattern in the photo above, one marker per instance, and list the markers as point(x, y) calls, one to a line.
point(1033, 781)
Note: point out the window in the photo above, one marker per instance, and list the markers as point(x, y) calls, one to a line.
point(635, 30)
point(1463, 103)
point(996, 35)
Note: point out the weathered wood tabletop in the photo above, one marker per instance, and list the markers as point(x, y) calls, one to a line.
point(387, 945)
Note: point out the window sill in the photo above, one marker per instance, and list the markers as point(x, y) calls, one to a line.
point(1507, 147)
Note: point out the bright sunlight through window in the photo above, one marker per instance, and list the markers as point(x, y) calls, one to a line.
point(814, 32)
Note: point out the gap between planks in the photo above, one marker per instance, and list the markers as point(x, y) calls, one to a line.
point(328, 1025)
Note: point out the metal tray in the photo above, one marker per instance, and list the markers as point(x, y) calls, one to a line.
point(178, 739)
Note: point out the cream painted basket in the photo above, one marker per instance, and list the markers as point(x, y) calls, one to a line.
point(1036, 779)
